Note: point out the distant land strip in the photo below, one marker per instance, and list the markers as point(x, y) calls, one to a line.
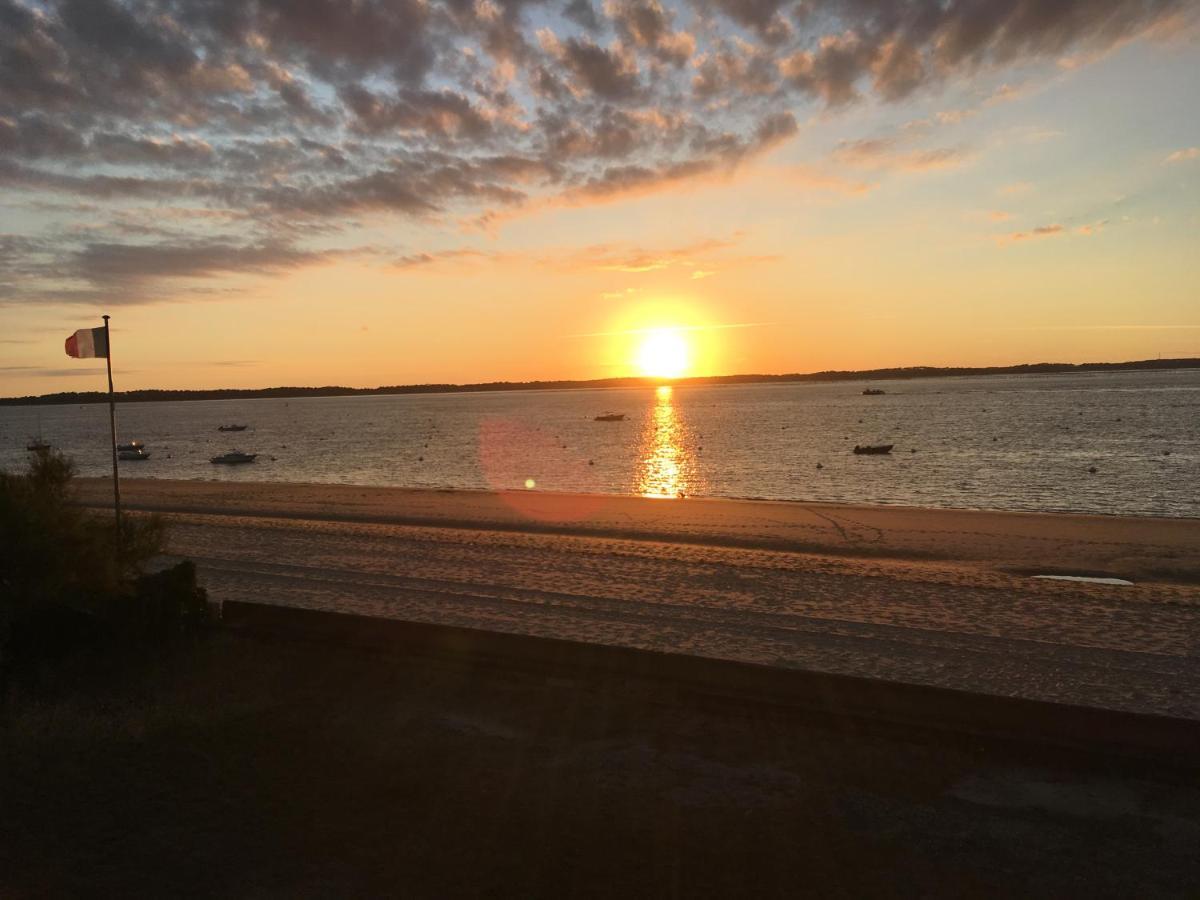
point(151, 396)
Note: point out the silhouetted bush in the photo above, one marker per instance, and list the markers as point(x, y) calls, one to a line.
point(65, 580)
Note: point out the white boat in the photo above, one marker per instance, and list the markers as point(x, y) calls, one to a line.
point(133, 454)
point(233, 457)
point(131, 447)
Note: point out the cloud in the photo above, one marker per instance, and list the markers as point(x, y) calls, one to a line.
point(885, 153)
point(296, 125)
point(648, 25)
point(699, 258)
point(1041, 231)
point(128, 273)
point(817, 178)
point(419, 260)
point(102, 263)
point(1090, 228)
point(717, 327)
point(1015, 189)
point(610, 73)
point(1186, 155)
point(442, 114)
point(56, 373)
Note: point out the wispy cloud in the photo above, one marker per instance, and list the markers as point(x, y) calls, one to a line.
point(1050, 231)
point(1131, 326)
point(1186, 155)
point(1041, 231)
point(718, 327)
point(706, 257)
point(885, 153)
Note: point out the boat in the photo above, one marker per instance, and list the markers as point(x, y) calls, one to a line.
point(611, 417)
point(874, 392)
point(233, 457)
point(231, 428)
point(873, 449)
point(133, 454)
point(131, 447)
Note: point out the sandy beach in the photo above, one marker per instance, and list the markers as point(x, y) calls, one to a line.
point(928, 597)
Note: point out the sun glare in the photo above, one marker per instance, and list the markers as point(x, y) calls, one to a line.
point(663, 354)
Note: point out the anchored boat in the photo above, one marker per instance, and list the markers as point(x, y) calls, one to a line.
point(233, 457)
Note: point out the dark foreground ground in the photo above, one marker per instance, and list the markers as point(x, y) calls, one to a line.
point(254, 767)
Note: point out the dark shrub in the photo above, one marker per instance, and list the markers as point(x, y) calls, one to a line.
point(64, 577)
point(170, 603)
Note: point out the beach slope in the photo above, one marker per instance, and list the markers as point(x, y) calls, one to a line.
point(925, 597)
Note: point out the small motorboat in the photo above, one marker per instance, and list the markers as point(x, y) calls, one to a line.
point(37, 445)
point(131, 447)
point(231, 428)
point(133, 454)
point(611, 417)
point(873, 449)
point(874, 392)
point(234, 457)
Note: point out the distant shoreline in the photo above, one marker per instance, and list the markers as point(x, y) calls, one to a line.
point(893, 374)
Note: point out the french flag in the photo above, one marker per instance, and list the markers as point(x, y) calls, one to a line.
point(88, 342)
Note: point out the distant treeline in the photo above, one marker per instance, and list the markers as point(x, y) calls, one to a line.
point(150, 396)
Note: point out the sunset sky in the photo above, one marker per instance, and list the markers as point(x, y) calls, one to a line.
point(364, 193)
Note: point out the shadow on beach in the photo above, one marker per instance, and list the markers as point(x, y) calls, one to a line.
point(248, 766)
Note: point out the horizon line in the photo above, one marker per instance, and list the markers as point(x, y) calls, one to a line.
point(884, 373)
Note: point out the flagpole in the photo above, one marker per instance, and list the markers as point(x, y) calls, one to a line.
point(112, 424)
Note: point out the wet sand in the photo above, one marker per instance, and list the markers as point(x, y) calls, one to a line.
point(925, 597)
point(1140, 549)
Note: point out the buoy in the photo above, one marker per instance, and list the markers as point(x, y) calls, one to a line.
point(1093, 469)
point(819, 466)
point(420, 459)
point(591, 462)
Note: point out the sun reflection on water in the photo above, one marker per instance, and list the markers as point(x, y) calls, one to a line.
point(667, 466)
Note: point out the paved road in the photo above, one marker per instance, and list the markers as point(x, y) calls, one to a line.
point(1125, 648)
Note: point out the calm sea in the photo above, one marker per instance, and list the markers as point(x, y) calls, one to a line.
point(1016, 443)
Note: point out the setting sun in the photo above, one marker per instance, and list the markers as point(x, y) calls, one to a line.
point(663, 354)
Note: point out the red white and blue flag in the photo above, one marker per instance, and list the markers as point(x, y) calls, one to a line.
point(88, 342)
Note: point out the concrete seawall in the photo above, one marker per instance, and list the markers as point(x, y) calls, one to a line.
point(849, 702)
